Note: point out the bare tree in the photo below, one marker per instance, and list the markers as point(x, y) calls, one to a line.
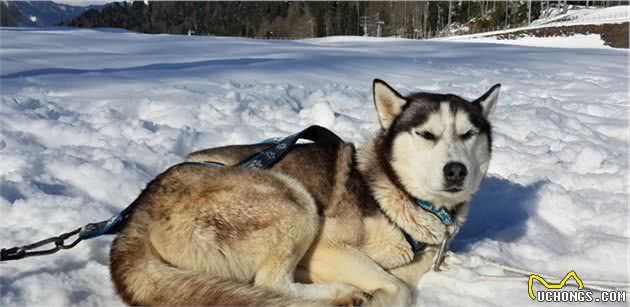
point(425, 19)
point(450, 11)
point(358, 16)
point(507, 14)
point(529, 12)
point(440, 22)
point(468, 13)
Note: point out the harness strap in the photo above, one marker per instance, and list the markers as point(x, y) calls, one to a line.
point(416, 245)
point(268, 157)
point(440, 213)
point(261, 160)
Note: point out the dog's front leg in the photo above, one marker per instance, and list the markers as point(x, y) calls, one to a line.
point(412, 272)
point(344, 264)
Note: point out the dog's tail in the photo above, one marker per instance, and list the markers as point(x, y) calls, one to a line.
point(141, 277)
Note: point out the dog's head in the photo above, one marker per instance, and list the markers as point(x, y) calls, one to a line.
point(437, 145)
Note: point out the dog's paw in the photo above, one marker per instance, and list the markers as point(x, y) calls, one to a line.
point(354, 300)
point(397, 255)
point(350, 296)
point(396, 296)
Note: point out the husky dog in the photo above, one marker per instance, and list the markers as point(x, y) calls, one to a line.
point(327, 225)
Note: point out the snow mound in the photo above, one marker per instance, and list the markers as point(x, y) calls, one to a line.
point(319, 114)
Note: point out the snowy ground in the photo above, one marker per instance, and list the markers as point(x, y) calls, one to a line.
point(88, 117)
point(573, 41)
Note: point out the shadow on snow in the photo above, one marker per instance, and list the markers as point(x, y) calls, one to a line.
point(149, 67)
point(498, 212)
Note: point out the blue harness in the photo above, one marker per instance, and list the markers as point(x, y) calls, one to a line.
point(440, 213)
point(263, 159)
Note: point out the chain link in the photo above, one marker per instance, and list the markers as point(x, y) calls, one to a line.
point(23, 251)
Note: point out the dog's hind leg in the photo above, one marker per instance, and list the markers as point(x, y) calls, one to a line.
point(349, 265)
point(293, 234)
point(278, 275)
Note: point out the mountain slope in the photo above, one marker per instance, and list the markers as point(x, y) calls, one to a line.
point(38, 13)
point(609, 24)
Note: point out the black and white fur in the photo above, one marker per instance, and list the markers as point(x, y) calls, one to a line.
point(426, 134)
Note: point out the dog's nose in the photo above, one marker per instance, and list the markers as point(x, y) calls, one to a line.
point(454, 173)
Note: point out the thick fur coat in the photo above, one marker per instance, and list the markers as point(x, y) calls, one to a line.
point(325, 226)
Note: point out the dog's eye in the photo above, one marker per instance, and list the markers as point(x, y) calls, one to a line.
point(426, 135)
point(467, 135)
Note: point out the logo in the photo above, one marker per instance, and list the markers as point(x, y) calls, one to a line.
point(542, 281)
point(571, 296)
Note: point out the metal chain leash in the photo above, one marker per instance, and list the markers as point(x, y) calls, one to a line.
point(20, 252)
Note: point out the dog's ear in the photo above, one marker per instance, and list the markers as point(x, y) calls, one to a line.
point(489, 100)
point(388, 102)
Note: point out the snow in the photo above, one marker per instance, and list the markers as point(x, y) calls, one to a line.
point(88, 117)
point(572, 41)
point(319, 114)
